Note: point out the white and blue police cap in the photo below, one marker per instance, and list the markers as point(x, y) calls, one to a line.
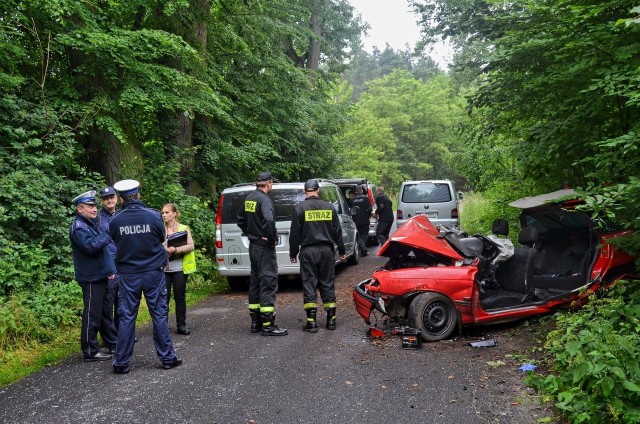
point(88, 198)
point(106, 192)
point(126, 187)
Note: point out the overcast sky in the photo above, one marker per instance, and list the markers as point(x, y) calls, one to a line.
point(392, 22)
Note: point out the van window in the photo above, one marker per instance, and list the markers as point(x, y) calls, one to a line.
point(284, 200)
point(426, 193)
point(329, 194)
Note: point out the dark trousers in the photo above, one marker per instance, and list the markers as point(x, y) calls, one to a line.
point(177, 281)
point(112, 299)
point(96, 318)
point(132, 286)
point(363, 236)
point(318, 271)
point(263, 281)
point(382, 231)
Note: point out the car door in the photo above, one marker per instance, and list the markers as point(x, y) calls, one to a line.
point(333, 195)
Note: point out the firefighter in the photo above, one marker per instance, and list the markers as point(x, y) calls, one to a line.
point(256, 218)
point(315, 231)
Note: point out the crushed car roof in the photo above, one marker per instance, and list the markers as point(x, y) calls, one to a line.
point(542, 199)
point(419, 233)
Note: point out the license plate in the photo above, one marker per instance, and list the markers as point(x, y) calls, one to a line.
point(429, 215)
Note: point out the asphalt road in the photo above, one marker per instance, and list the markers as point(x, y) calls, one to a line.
point(232, 376)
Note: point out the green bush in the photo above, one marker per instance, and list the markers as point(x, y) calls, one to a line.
point(595, 371)
point(22, 266)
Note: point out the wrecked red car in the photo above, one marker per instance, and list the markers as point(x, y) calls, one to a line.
point(440, 279)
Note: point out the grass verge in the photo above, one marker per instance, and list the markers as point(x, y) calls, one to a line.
point(31, 356)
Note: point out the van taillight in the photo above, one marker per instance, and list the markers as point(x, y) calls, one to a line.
point(454, 213)
point(219, 223)
point(398, 214)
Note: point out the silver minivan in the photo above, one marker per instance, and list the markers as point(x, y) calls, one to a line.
point(232, 246)
point(436, 199)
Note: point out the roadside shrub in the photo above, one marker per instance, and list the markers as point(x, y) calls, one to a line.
point(22, 266)
point(479, 209)
point(595, 370)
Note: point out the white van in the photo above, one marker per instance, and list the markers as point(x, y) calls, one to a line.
point(436, 199)
point(232, 246)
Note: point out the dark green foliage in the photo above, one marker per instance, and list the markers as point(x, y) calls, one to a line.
point(186, 97)
point(596, 370)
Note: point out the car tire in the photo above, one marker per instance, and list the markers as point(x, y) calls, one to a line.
point(434, 314)
point(354, 259)
point(238, 283)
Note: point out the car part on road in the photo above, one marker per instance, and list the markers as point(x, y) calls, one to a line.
point(484, 343)
point(411, 339)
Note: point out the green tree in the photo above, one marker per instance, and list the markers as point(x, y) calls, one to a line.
point(403, 128)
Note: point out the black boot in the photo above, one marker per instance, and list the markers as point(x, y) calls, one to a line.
point(182, 329)
point(269, 327)
point(331, 319)
point(256, 321)
point(311, 326)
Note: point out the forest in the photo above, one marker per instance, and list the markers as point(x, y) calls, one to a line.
point(191, 96)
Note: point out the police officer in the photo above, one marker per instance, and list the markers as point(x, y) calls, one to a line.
point(361, 218)
point(93, 265)
point(384, 212)
point(256, 218)
point(139, 233)
point(314, 230)
point(109, 200)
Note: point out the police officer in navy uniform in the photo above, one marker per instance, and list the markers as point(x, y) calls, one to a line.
point(256, 218)
point(314, 230)
point(384, 212)
point(139, 232)
point(109, 200)
point(94, 266)
point(361, 218)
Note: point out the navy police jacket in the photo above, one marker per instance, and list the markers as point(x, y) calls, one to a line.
point(91, 259)
point(138, 232)
point(314, 222)
point(103, 221)
point(257, 219)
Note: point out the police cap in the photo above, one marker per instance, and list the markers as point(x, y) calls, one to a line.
point(126, 187)
point(265, 176)
point(107, 191)
point(311, 185)
point(88, 198)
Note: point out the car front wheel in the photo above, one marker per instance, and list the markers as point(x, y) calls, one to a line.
point(434, 314)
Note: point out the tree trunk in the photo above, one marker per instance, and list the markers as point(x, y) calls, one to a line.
point(110, 157)
point(184, 138)
point(314, 48)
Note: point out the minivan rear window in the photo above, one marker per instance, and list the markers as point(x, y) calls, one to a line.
point(284, 200)
point(426, 193)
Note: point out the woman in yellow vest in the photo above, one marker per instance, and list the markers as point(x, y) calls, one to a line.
point(181, 263)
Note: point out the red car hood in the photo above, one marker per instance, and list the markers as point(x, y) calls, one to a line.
point(418, 233)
